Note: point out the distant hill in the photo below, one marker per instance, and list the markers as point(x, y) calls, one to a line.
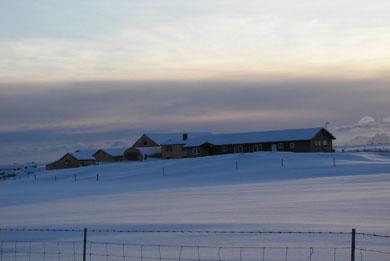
point(359, 140)
point(377, 139)
point(380, 138)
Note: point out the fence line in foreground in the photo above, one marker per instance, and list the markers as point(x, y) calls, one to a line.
point(32, 250)
point(110, 251)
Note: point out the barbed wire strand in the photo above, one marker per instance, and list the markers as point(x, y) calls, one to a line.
point(372, 235)
point(374, 251)
point(188, 231)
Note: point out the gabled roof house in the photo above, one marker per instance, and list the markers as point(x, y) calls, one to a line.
point(75, 159)
point(149, 144)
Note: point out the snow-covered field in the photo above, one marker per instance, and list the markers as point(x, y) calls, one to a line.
point(241, 192)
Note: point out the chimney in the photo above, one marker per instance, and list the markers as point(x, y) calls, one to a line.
point(185, 136)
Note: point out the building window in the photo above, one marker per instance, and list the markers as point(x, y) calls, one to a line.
point(292, 145)
point(325, 142)
point(238, 149)
point(169, 148)
point(257, 147)
point(145, 142)
point(224, 149)
point(280, 146)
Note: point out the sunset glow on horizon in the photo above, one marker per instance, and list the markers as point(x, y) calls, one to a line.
point(174, 40)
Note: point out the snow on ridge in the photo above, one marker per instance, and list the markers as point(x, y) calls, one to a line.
point(254, 137)
point(161, 138)
point(84, 154)
point(116, 152)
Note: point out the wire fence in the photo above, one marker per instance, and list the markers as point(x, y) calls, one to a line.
point(122, 251)
point(338, 247)
point(99, 176)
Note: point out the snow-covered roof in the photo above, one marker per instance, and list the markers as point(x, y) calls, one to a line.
point(115, 152)
point(255, 137)
point(190, 136)
point(84, 154)
point(159, 138)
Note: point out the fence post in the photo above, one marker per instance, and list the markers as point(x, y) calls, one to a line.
point(353, 244)
point(85, 244)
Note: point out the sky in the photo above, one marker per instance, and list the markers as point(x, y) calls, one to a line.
point(77, 74)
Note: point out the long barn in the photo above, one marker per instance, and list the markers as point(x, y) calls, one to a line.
point(292, 140)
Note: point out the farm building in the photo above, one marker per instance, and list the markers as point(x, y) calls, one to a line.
point(148, 140)
point(175, 148)
point(149, 144)
point(76, 159)
point(156, 139)
point(142, 153)
point(109, 154)
point(293, 140)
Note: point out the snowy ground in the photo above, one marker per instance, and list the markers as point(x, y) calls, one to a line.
point(232, 192)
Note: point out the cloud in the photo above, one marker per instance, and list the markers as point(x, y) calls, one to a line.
point(367, 121)
point(203, 40)
point(55, 118)
point(150, 104)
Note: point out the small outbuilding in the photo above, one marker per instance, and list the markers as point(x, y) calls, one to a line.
point(76, 159)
